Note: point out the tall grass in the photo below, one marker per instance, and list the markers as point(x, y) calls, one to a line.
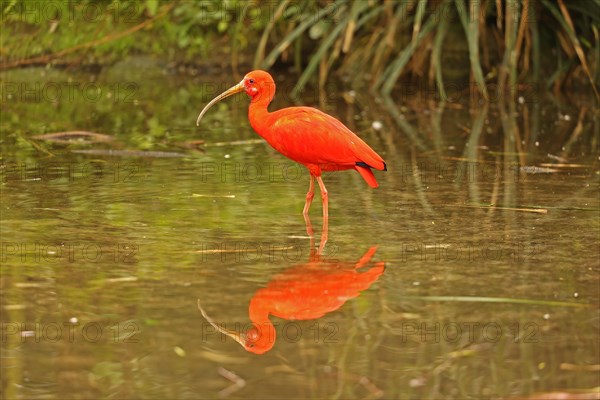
point(383, 43)
point(508, 42)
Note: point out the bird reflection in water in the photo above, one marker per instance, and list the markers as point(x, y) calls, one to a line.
point(303, 292)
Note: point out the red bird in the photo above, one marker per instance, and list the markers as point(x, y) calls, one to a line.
point(304, 292)
point(305, 135)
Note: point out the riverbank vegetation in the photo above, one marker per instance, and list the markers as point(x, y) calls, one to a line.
point(493, 46)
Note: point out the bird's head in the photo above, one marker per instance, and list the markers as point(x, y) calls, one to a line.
point(257, 84)
point(257, 339)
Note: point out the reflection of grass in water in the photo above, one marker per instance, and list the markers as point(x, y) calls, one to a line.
point(379, 356)
point(425, 361)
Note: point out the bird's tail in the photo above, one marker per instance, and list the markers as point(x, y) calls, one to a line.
point(367, 175)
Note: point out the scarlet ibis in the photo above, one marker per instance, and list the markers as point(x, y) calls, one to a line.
point(306, 135)
point(304, 292)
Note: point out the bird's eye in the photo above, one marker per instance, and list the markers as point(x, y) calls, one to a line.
point(251, 81)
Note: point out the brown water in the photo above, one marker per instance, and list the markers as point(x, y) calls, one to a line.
point(105, 257)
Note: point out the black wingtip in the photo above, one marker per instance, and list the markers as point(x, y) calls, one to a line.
point(365, 165)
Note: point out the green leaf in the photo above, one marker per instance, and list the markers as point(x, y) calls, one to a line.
point(152, 7)
point(222, 26)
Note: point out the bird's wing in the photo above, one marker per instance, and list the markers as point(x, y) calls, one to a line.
point(310, 136)
point(308, 293)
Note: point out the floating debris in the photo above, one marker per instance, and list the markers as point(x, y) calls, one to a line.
point(241, 250)
point(192, 145)
point(417, 382)
point(14, 307)
point(130, 153)
point(437, 246)
point(530, 169)
point(508, 153)
point(122, 279)
point(557, 158)
point(494, 207)
point(463, 159)
point(583, 394)
point(377, 125)
point(80, 137)
point(226, 196)
point(349, 96)
point(507, 300)
point(565, 165)
point(222, 358)
point(238, 382)
point(29, 285)
point(235, 142)
point(575, 367)
point(179, 351)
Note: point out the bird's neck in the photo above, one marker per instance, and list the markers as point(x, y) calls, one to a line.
point(258, 311)
point(260, 318)
point(258, 114)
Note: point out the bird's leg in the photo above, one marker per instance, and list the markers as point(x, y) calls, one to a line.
point(314, 255)
point(309, 198)
point(324, 235)
point(323, 197)
point(325, 229)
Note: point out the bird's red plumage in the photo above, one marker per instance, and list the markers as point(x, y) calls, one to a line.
point(310, 136)
point(307, 135)
point(304, 134)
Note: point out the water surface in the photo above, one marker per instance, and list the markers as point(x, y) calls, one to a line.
point(105, 256)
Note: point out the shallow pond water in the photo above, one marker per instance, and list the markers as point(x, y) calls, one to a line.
point(487, 224)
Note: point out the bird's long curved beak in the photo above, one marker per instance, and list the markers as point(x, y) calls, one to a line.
point(237, 336)
point(231, 91)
